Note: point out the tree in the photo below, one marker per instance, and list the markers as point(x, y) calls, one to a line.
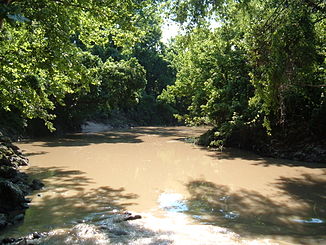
point(286, 53)
point(212, 79)
point(265, 64)
point(40, 60)
point(151, 54)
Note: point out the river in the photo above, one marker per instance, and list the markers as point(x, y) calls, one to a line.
point(185, 194)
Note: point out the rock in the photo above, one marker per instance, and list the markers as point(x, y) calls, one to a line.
point(11, 155)
point(36, 184)
point(36, 235)
point(23, 175)
point(8, 240)
point(4, 149)
point(18, 217)
point(7, 172)
point(5, 161)
point(23, 242)
point(3, 221)
point(19, 160)
point(15, 149)
point(132, 217)
point(14, 185)
point(24, 206)
point(5, 139)
point(11, 196)
point(27, 240)
point(118, 232)
point(125, 217)
point(24, 187)
point(28, 200)
point(299, 156)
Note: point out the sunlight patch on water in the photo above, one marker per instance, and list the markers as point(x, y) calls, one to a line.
point(178, 229)
point(174, 229)
point(230, 215)
point(175, 203)
point(172, 202)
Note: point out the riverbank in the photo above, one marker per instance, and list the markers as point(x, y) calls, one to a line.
point(297, 147)
point(14, 184)
point(291, 146)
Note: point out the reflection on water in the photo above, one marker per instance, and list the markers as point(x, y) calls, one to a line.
point(172, 202)
point(310, 221)
point(185, 194)
point(245, 212)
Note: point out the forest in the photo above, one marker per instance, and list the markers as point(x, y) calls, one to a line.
point(258, 79)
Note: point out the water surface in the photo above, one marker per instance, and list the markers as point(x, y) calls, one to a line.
point(186, 194)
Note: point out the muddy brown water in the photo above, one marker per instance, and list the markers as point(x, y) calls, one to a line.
point(185, 194)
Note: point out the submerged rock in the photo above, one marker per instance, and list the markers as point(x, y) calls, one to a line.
point(125, 217)
point(18, 218)
point(117, 232)
point(132, 217)
point(36, 184)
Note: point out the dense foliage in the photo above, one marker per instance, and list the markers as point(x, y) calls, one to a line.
point(69, 60)
point(260, 72)
point(263, 66)
point(45, 49)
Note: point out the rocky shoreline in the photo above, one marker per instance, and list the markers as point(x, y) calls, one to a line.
point(112, 231)
point(14, 185)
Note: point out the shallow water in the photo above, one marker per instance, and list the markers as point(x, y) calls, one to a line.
point(186, 194)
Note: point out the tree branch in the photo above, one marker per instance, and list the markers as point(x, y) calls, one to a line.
point(314, 5)
point(320, 19)
point(5, 2)
point(314, 85)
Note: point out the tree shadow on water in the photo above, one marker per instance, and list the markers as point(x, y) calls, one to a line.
point(181, 132)
point(250, 213)
point(310, 190)
point(66, 196)
point(34, 153)
point(85, 139)
point(132, 135)
point(229, 153)
point(67, 201)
